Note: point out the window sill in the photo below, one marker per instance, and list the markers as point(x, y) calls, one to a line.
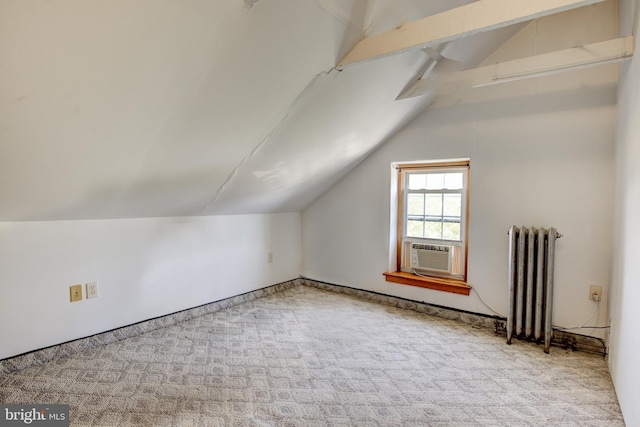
point(435, 283)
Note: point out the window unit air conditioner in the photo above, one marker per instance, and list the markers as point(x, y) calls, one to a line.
point(431, 257)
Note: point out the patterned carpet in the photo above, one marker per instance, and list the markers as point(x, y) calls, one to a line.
point(308, 357)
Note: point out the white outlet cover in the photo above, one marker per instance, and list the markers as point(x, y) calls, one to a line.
point(92, 290)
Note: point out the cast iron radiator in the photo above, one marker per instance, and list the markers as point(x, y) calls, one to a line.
point(531, 266)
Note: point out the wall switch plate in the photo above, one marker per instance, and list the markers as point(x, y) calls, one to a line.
point(595, 293)
point(92, 290)
point(75, 292)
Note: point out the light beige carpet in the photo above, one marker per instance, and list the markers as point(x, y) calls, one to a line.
point(307, 357)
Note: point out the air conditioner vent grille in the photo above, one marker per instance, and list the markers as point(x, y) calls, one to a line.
point(431, 257)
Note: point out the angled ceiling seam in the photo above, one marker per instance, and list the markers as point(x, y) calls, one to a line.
point(295, 106)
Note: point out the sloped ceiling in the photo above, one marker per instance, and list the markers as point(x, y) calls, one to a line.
point(119, 108)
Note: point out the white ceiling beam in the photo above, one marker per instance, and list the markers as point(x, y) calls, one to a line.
point(575, 58)
point(480, 16)
point(559, 61)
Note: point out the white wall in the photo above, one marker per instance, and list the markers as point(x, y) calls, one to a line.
point(529, 166)
point(145, 268)
point(541, 154)
point(624, 342)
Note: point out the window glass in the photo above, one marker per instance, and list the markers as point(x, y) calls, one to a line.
point(453, 181)
point(452, 205)
point(434, 204)
point(415, 204)
point(433, 230)
point(417, 181)
point(435, 181)
point(415, 228)
point(451, 230)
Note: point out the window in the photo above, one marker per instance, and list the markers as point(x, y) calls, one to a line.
point(433, 221)
point(433, 204)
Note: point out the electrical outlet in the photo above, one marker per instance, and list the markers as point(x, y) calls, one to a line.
point(595, 293)
point(270, 257)
point(92, 290)
point(75, 293)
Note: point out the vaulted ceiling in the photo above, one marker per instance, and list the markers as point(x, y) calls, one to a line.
point(119, 108)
